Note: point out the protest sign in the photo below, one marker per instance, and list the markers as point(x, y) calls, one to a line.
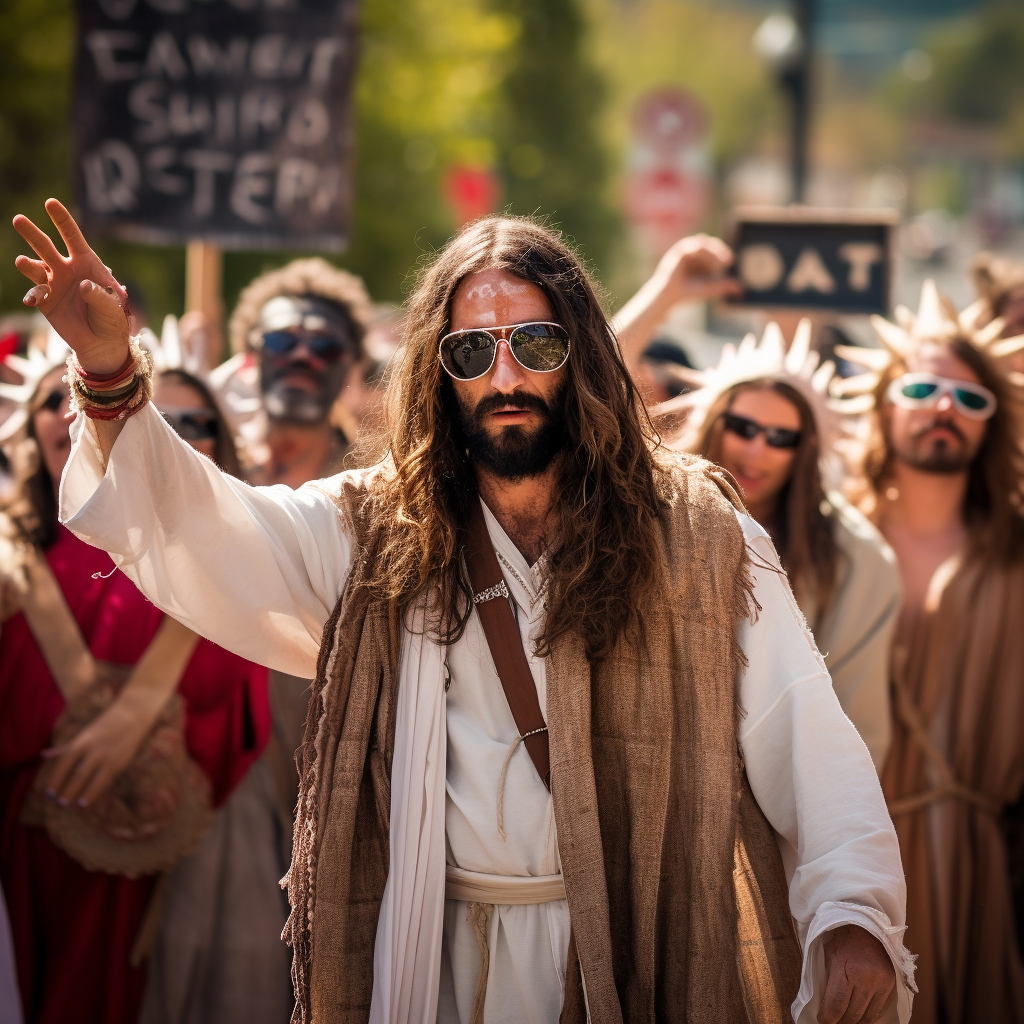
point(227, 121)
point(806, 258)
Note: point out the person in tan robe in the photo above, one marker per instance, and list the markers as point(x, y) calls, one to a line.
point(943, 477)
point(510, 401)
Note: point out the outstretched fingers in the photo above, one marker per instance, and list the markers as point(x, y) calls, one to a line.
point(34, 270)
point(105, 301)
point(67, 226)
point(38, 239)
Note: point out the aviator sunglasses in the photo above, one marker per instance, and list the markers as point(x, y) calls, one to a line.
point(774, 437)
point(923, 390)
point(327, 347)
point(541, 347)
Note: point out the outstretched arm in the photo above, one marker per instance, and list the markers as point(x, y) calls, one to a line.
point(255, 570)
point(80, 297)
point(693, 270)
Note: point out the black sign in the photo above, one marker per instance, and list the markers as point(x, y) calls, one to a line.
point(222, 120)
point(805, 258)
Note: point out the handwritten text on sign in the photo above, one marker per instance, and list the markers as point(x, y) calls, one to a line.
point(226, 120)
point(806, 259)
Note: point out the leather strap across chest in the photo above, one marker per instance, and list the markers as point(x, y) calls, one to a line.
point(505, 642)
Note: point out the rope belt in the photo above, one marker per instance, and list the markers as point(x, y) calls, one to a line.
point(948, 787)
point(481, 893)
point(502, 890)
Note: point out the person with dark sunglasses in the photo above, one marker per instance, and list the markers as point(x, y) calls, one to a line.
point(568, 729)
point(304, 325)
point(188, 405)
point(763, 414)
point(105, 758)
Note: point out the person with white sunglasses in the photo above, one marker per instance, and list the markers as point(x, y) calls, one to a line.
point(943, 478)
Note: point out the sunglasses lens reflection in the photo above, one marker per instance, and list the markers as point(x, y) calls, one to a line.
point(919, 391)
point(541, 347)
point(971, 400)
point(54, 400)
point(279, 342)
point(468, 355)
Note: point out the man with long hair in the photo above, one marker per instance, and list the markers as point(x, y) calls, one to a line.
point(944, 480)
point(692, 782)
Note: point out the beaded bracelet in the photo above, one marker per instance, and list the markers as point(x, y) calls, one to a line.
point(113, 396)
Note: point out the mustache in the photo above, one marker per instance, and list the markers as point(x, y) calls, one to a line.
point(945, 424)
point(516, 400)
point(296, 366)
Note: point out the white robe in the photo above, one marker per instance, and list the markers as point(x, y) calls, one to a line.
point(259, 570)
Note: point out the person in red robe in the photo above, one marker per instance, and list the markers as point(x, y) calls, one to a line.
point(73, 929)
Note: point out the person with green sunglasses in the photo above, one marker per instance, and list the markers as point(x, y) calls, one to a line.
point(943, 479)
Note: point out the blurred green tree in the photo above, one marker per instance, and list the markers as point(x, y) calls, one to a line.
point(35, 136)
point(552, 155)
point(977, 76)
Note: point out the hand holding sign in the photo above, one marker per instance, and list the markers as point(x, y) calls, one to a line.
point(694, 270)
point(76, 293)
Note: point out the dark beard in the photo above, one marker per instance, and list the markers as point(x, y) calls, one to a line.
point(515, 453)
point(295, 405)
point(942, 457)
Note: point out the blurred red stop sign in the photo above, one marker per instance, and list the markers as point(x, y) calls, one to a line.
point(666, 199)
point(472, 192)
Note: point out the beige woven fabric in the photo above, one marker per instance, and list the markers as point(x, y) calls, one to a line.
point(661, 843)
point(960, 680)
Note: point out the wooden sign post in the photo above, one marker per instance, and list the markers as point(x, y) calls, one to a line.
point(203, 276)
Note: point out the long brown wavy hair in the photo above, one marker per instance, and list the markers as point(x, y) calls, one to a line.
point(604, 565)
point(800, 529)
point(32, 505)
point(994, 502)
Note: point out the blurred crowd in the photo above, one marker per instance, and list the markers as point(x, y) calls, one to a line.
point(890, 478)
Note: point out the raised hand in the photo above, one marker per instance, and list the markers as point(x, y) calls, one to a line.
point(695, 268)
point(76, 293)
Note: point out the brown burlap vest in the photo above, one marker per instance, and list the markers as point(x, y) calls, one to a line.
point(677, 897)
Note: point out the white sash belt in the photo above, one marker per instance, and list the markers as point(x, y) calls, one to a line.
point(502, 890)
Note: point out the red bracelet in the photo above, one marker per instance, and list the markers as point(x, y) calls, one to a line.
point(119, 412)
point(107, 378)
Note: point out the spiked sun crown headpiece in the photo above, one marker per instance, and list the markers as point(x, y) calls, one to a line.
point(32, 369)
point(936, 320)
point(167, 350)
point(753, 361)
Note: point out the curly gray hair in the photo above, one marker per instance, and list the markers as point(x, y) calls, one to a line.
point(312, 277)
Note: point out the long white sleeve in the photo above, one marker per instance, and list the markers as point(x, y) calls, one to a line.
point(256, 570)
point(813, 777)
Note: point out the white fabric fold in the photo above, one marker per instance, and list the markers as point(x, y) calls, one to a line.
point(407, 951)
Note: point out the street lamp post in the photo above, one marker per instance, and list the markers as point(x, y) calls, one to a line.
point(786, 42)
